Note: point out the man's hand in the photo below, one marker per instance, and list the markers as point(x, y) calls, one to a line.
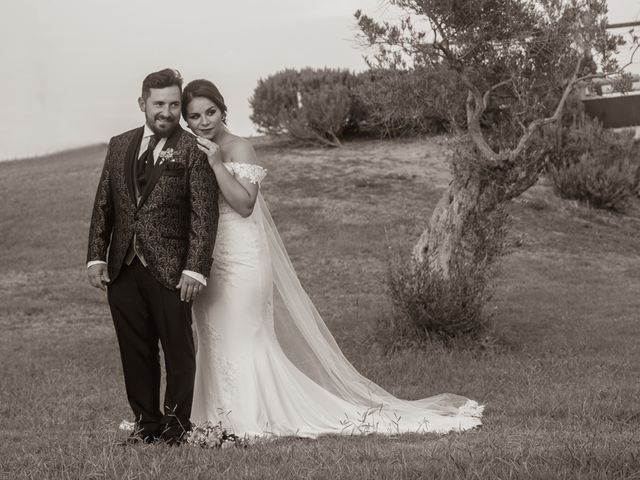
point(98, 276)
point(189, 288)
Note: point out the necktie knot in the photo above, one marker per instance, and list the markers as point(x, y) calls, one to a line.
point(153, 141)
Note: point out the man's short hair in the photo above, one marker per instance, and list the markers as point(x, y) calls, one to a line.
point(161, 79)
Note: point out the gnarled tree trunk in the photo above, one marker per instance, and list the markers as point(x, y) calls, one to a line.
point(443, 238)
point(483, 180)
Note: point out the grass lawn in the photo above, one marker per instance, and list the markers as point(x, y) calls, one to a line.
point(561, 383)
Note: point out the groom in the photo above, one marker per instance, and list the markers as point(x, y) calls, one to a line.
point(156, 215)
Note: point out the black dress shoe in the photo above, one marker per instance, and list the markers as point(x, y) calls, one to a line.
point(137, 438)
point(175, 434)
point(172, 440)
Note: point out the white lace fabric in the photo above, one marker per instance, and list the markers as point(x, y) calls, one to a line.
point(254, 173)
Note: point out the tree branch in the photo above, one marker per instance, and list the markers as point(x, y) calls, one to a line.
point(539, 123)
point(487, 94)
point(527, 180)
point(476, 105)
point(630, 62)
point(535, 125)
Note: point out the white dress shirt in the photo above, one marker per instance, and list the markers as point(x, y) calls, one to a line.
point(146, 138)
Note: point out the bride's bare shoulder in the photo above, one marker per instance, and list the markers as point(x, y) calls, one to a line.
point(240, 150)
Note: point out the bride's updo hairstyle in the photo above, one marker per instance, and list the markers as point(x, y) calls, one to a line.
point(203, 88)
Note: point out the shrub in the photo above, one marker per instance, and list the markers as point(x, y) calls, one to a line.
point(595, 165)
point(600, 182)
point(432, 307)
point(409, 102)
point(309, 105)
point(272, 95)
point(321, 117)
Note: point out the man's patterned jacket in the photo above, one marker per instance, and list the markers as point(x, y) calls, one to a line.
point(175, 219)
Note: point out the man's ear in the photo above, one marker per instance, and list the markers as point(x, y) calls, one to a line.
point(141, 103)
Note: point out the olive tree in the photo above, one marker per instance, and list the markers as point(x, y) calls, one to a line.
point(518, 61)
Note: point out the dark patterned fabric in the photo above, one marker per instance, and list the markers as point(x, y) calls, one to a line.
point(145, 163)
point(176, 219)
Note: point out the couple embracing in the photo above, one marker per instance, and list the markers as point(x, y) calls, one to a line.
point(183, 243)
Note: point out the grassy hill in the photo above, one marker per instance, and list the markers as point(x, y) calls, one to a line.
point(561, 385)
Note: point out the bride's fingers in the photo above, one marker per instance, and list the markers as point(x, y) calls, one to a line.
point(205, 144)
point(205, 140)
point(208, 148)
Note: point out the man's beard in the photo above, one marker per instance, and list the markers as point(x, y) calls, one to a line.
point(171, 121)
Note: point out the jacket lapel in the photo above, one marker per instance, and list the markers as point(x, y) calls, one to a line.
point(130, 161)
point(171, 142)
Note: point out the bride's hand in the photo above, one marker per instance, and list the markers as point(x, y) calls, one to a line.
point(211, 149)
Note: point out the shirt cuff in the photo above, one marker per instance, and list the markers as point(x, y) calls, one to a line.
point(198, 276)
point(96, 262)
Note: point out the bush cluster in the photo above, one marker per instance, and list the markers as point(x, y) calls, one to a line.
point(315, 105)
point(592, 164)
point(325, 105)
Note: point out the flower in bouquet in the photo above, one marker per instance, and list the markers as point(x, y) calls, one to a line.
point(214, 435)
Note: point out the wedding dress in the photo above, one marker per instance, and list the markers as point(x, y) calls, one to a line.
point(266, 362)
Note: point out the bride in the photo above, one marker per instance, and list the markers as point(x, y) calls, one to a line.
point(266, 362)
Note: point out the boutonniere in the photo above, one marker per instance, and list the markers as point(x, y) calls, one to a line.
point(168, 156)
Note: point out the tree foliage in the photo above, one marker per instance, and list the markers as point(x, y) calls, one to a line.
point(523, 55)
point(401, 102)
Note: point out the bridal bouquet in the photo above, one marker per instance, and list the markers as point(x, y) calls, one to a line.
point(214, 435)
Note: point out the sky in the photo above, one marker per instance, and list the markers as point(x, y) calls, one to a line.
point(72, 69)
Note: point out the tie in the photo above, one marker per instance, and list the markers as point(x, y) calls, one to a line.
point(145, 164)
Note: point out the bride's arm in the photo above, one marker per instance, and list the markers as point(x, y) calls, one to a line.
point(239, 192)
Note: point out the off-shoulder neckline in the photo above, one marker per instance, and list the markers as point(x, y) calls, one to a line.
point(244, 163)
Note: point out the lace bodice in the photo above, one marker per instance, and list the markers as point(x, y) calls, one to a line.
point(254, 173)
